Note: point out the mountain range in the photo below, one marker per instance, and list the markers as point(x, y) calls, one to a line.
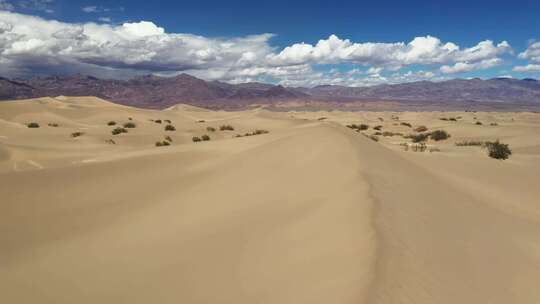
point(161, 92)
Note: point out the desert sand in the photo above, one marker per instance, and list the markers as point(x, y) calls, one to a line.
point(311, 212)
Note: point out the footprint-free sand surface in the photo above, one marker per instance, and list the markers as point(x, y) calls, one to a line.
point(311, 212)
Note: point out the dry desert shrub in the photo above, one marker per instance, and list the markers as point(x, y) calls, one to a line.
point(406, 124)
point(118, 130)
point(439, 135)
point(162, 143)
point(52, 124)
point(469, 143)
point(226, 128)
point(479, 123)
point(205, 137)
point(378, 128)
point(196, 139)
point(168, 138)
point(498, 150)
point(130, 125)
point(77, 134)
point(170, 128)
point(421, 129)
point(111, 123)
point(210, 129)
point(32, 125)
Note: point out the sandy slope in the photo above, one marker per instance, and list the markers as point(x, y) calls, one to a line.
point(312, 212)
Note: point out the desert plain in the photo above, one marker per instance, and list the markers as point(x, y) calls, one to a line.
point(310, 211)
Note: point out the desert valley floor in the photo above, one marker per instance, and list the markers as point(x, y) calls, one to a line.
point(310, 212)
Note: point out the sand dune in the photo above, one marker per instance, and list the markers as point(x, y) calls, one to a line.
point(312, 212)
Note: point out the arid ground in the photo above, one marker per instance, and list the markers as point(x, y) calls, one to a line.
point(310, 212)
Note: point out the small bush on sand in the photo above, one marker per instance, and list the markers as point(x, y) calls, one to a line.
point(360, 127)
point(444, 118)
point(158, 121)
point(205, 137)
point(374, 137)
point(210, 129)
point(129, 125)
point(421, 129)
point(129, 118)
point(406, 124)
point(201, 121)
point(258, 132)
point(196, 139)
point(416, 138)
point(118, 130)
point(479, 123)
point(32, 125)
point(419, 147)
point(167, 121)
point(321, 118)
point(469, 143)
point(498, 150)
point(493, 124)
point(378, 133)
point(439, 135)
point(52, 124)
point(111, 123)
point(452, 119)
point(226, 128)
point(168, 138)
point(162, 143)
point(77, 134)
point(170, 128)
point(378, 128)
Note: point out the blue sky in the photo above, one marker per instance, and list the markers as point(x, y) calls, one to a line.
point(289, 42)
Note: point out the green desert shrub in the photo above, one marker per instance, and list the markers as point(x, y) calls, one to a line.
point(52, 124)
point(77, 134)
point(32, 125)
point(439, 135)
point(170, 128)
point(162, 143)
point(226, 128)
point(118, 130)
point(421, 129)
point(210, 129)
point(205, 137)
point(196, 139)
point(498, 150)
point(111, 123)
point(129, 125)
